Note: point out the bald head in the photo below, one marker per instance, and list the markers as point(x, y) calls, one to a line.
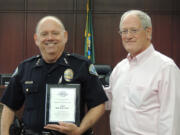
point(53, 18)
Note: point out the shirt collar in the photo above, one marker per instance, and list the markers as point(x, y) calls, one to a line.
point(143, 55)
point(62, 61)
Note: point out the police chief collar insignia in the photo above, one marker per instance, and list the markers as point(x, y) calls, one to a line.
point(92, 70)
point(38, 62)
point(68, 75)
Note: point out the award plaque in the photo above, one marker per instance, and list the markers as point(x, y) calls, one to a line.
point(62, 103)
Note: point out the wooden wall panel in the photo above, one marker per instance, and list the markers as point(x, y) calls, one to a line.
point(176, 39)
point(105, 6)
point(11, 5)
point(157, 5)
point(118, 5)
point(81, 5)
point(162, 33)
point(79, 33)
point(108, 48)
point(176, 6)
point(49, 5)
point(123, 5)
point(11, 41)
point(107, 41)
point(31, 48)
point(102, 126)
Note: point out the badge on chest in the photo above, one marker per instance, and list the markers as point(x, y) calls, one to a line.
point(68, 75)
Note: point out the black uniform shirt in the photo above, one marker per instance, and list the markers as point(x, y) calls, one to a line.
point(28, 83)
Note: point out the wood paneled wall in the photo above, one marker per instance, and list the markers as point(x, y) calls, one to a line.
point(18, 19)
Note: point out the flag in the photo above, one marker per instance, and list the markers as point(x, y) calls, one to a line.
point(89, 40)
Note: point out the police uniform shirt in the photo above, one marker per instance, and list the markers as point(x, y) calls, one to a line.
point(27, 86)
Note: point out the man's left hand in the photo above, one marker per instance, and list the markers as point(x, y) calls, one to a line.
point(66, 128)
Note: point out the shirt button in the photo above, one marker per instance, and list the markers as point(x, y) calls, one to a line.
point(27, 90)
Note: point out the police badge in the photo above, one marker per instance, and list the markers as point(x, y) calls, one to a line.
point(68, 75)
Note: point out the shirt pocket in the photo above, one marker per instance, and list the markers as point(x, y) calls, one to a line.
point(136, 95)
point(30, 88)
point(31, 95)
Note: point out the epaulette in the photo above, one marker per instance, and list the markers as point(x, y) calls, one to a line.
point(32, 58)
point(77, 56)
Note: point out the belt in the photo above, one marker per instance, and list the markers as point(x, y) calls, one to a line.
point(31, 132)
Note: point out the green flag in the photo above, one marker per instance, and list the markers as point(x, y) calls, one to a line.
point(89, 40)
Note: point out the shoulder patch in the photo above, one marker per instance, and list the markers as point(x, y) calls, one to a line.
point(92, 70)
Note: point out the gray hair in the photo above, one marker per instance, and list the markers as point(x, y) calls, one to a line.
point(144, 18)
point(46, 18)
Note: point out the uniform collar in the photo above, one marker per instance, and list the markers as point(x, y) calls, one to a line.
point(61, 61)
point(143, 55)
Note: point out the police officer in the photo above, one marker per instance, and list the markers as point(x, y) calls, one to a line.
point(53, 66)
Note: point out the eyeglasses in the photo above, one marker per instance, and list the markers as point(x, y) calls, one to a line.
point(132, 31)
